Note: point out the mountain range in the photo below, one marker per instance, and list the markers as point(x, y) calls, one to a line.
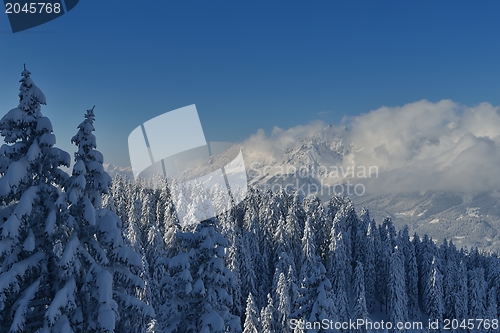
point(320, 159)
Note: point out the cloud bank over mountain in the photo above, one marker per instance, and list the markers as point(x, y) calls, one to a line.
point(416, 147)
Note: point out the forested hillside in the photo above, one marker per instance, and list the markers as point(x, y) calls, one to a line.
point(292, 258)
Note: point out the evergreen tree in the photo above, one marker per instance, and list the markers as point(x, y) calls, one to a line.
point(109, 267)
point(360, 308)
point(253, 257)
point(338, 273)
point(426, 256)
point(251, 317)
point(477, 294)
point(268, 317)
point(460, 293)
point(308, 244)
point(315, 212)
point(283, 306)
point(314, 303)
point(397, 297)
point(491, 310)
point(249, 257)
point(449, 278)
point(370, 277)
point(383, 251)
point(97, 180)
point(154, 252)
point(412, 283)
point(360, 244)
point(411, 273)
point(295, 221)
point(197, 285)
point(433, 294)
point(35, 294)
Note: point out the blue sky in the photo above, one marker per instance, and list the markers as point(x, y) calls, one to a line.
point(248, 64)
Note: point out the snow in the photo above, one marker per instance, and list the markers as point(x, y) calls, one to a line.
point(128, 255)
point(30, 91)
point(79, 168)
point(18, 116)
point(16, 173)
point(98, 156)
point(9, 279)
point(62, 156)
point(65, 297)
point(50, 222)
point(6, 245)
point(34, 152)
point(106, 318)
point(43, 124)
point(29, 242)
point(179, 261)
point(62, 325)
point(25, 205)
point(70, 250)
point(125, 275)
point(107, 226)
point(105, 285)
point(218, 264)
point(434, 221)
point(47, 139)
point(199, 287)
point(212, 322)
point(472, 212)
point(61, 200)
point(135, 303)
point(21, 306)
point(73, 196)
point(88, 211)
point(95, 166)
point(11, 227)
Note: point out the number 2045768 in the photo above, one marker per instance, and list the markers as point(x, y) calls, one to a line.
point(33, 8)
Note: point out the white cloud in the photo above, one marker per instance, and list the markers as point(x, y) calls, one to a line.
point(269, 149)
point(418, 146)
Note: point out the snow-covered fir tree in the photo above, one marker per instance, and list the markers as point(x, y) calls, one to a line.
point(268, 317)
point(397, 297)
point(477, 294)
point(315, 303)
point(251, 317)
point(109, 268)
point(36, 294)
point(197, 285)
point(433, 294)
point(338, 273)
point(360, 308)
point(411, 273)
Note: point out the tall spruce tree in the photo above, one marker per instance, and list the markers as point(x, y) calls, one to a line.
point(315, 303)
point(360, 308)
point(268, 317)
point(197, 298)
point(477, 294)
point(36, 294)
point(251, 317)
point(433, 293)
point(109, 268)
point(397, 297)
